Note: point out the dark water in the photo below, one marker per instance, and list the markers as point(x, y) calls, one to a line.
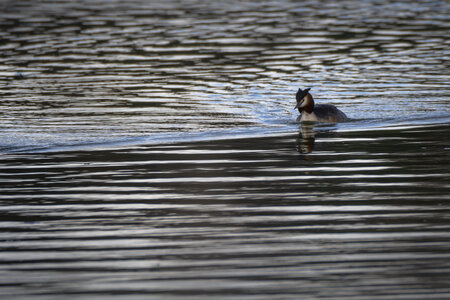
point(149, 150)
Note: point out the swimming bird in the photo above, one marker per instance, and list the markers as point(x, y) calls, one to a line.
point(316, 112)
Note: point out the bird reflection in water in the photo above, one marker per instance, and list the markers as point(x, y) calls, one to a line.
point(306, 138)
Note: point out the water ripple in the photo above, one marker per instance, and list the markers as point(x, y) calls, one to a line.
point(150, 149)
point(210, 66)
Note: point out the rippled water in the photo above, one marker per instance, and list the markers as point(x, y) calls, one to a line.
point(150, 150)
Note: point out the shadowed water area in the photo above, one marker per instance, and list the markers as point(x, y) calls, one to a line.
point(149, 150)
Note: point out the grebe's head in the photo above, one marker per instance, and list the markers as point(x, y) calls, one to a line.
point(304, 100)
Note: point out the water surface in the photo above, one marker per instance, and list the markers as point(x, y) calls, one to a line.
point(149, 150)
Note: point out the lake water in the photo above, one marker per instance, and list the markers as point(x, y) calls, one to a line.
point(149, 150)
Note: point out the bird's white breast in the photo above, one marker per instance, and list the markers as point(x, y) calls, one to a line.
point(305, 117)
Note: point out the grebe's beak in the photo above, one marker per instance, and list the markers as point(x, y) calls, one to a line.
point(298, 103)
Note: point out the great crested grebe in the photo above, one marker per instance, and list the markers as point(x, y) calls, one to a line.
point(316, 112)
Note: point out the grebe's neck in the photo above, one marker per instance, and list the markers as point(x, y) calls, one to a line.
point(307, 105)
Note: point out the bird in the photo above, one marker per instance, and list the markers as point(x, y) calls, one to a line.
point(311, 112)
